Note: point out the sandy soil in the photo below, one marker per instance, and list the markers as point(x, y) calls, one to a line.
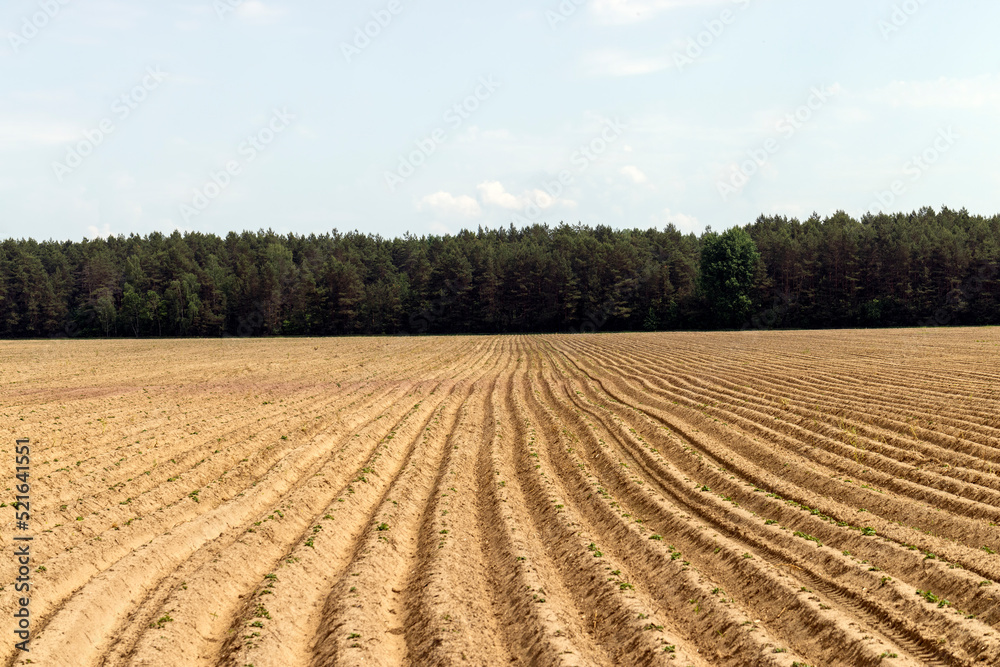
point(810, 498)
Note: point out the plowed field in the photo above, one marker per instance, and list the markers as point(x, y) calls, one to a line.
point(824, 498)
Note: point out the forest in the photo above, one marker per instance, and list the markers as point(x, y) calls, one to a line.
point(925, 268)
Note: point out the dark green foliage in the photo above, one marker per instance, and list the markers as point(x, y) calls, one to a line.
point(729, 263)
point(926, 268)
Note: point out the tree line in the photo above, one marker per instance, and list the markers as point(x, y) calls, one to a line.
point(919, 269)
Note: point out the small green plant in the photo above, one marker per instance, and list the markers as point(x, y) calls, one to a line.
point(931, 597)
point(161, 621)
point(804, 536)
point(868, 530)
point(382, 527)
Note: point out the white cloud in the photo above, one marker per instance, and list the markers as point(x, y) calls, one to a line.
point(981, 92)
point(26, 131)
point(617, 12)
point(543, 199)
point(258, 12)
point(96, 233)
point(618, 63)
point(685, 223)
point(53, 96)
point(473, 134)
point(445, 203)
point(493, 193)
point(634, 173)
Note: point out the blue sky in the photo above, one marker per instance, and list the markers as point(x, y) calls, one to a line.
point(395, 116)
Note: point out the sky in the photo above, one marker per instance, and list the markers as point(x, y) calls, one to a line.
point(431, 116)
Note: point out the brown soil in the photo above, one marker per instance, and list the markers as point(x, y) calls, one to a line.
point(819, 498)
